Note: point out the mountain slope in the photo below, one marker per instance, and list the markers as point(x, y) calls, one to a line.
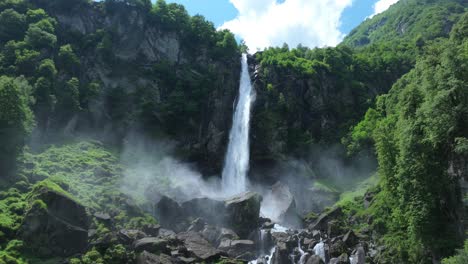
point(414, 21)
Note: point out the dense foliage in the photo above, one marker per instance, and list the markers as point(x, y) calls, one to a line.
point(419, 129)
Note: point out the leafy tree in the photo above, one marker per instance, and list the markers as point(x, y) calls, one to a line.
point(12, 25)
point(68, 100)
point(16, 120)
point(68, 59)
point(41, 34)
point(47, 69)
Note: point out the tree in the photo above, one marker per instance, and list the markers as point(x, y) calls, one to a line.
point(68, 59)
point(41, 34)
point(12, 25)
point(16, 120)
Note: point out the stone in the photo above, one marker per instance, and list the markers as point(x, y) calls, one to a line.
point(337, 248)
point(208, 209)
point(55, 225)
point(335, 228)
point(350, 239)
point(148, 258)
point(314, 259)
point(211, 234)
point(128, 236)
point(199, 247)
point(359, 257)
point(238, 248)
point(280, 199)
point(242, 213)
point(170, 214)
point(281, 254)
point(321, 223)
point(342, 259)
point(105, 217)
point(152, 230)
point(196, 225)
point(152, 245)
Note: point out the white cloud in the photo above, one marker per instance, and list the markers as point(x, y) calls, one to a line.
point(382, 5)
point(265, 23)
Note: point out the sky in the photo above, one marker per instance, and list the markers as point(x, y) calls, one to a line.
point(265, 23)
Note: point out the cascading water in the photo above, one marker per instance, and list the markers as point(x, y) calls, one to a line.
point(236, 163)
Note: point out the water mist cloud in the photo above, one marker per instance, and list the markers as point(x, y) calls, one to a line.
point(151, 171)
point(265, 23)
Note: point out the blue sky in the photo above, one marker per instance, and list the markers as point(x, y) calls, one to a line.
point(263, 23)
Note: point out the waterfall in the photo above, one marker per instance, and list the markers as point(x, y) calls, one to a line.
point(319, 250)
point(236, 162)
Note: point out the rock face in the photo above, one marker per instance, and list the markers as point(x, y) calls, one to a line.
point(55, 225)
point(243, 212)
point(138, 46)
point(170, 214)
point(280, 203)
point(199, 247)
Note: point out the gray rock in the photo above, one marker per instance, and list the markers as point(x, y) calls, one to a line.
point(239, 248)
point(148, 258)
point(350, 239)
point(314, 259)
point(199, 247)
point(58, 226)
point(342, 259)
point(196, 225)
point(321, 223)
point(242, 213)
point(128, 236)
point(170, 214)
point(152, 245)
point(206, 208)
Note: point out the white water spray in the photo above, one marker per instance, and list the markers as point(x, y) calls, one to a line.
point(236, 163)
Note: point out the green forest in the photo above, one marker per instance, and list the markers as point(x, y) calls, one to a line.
point(79, 78)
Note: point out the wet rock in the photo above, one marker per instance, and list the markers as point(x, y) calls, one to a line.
point(128, 236)
point(199, 247)
point(148, 258)
point(55, 225)
point(240, 249)
point(314, 259)
point(335, 228)
point(152, 230)
point(322, 222)
point(170, 214)
point(104, 217)
point(196, 225)
point(280, 199)
point(206, 208)
point(350, 239)
point(152, 245)
point(242, 213)
point(337, 248)
point(166, 233)
point(359, 256)
point(342, 259)
point(211, 234)
point(281, 254)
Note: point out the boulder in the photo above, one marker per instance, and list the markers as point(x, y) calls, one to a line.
point(283, 202)
point(242, 213)
point(199, 247)
point(148, 258)
point(334, 228)
point(350, 239)
point(321, 223)
point(342, 259)
point(314, 259)
point(337, 248)
point(196, 225)
point(359, 257)
point(240, 249)
point(170, 214)
point(205, 208)
point(128, 236)
point(211, 234)
point(281, 254)
point(55, 225)
point(152, 244)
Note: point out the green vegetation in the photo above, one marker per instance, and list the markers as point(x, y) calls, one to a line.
point(417, 129)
